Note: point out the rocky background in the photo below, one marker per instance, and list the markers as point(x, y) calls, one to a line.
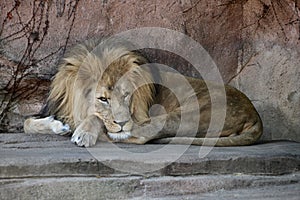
point(255, 44)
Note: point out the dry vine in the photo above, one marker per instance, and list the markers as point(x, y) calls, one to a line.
point(17, 78)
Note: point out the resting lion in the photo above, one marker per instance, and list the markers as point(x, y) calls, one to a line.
point(104, 92)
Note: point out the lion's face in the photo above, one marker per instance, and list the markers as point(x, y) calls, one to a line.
point(113, 106)
point(123, 95)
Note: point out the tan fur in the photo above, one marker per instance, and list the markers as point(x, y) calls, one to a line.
point(46, 125)
point(102, 90)
point(68, 84)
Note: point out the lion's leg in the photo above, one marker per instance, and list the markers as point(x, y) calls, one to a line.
point(249, 135)
point(162, 126)
point(189, 127)
point(47, 125)
point(87, 133)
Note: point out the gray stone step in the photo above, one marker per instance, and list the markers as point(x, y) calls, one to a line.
point(136, 187)
point(50, 155)
point(51, 167)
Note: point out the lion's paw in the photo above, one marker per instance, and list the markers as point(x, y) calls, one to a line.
point(82, 138)
point(61, 130)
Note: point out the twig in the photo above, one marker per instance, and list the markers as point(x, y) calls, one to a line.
point(190, 8)
point(242, 68)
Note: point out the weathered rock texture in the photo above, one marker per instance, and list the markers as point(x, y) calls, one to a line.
point(46, 166)
point(254, 43)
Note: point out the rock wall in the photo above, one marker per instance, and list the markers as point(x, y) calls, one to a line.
point(255, 44)
point(269, 65)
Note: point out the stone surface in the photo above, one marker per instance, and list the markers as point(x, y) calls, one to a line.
point(50, 155)
point(167, 188)
point(268, 69)
point(278, 98)
point(254, 43)
point(277, 192)
point(50, 167)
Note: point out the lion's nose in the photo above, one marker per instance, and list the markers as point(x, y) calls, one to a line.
point(121, 123)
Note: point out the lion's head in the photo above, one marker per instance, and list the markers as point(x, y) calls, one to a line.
point(106, 79)
point(123, 95)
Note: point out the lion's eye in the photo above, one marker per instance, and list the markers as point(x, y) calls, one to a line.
point(103, 99)
point(126, 94)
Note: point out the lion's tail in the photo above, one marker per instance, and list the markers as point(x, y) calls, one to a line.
point(247, 137)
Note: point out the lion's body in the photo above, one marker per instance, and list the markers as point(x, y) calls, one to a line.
point(104, 92)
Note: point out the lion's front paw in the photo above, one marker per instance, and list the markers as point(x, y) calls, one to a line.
point(86, 134)
point(83, 138)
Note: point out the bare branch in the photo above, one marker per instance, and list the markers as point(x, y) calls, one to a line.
point(17, 84)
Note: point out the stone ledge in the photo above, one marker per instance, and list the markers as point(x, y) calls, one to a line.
point(55, 156)
point(51, 167)
point(167, 188)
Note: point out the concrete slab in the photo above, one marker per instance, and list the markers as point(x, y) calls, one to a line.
point(50, 155)
point(166, 188)
point(51, 167)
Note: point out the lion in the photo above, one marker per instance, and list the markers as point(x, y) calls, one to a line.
point(106, 90)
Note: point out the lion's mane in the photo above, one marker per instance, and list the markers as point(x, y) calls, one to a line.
point(71, 98)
